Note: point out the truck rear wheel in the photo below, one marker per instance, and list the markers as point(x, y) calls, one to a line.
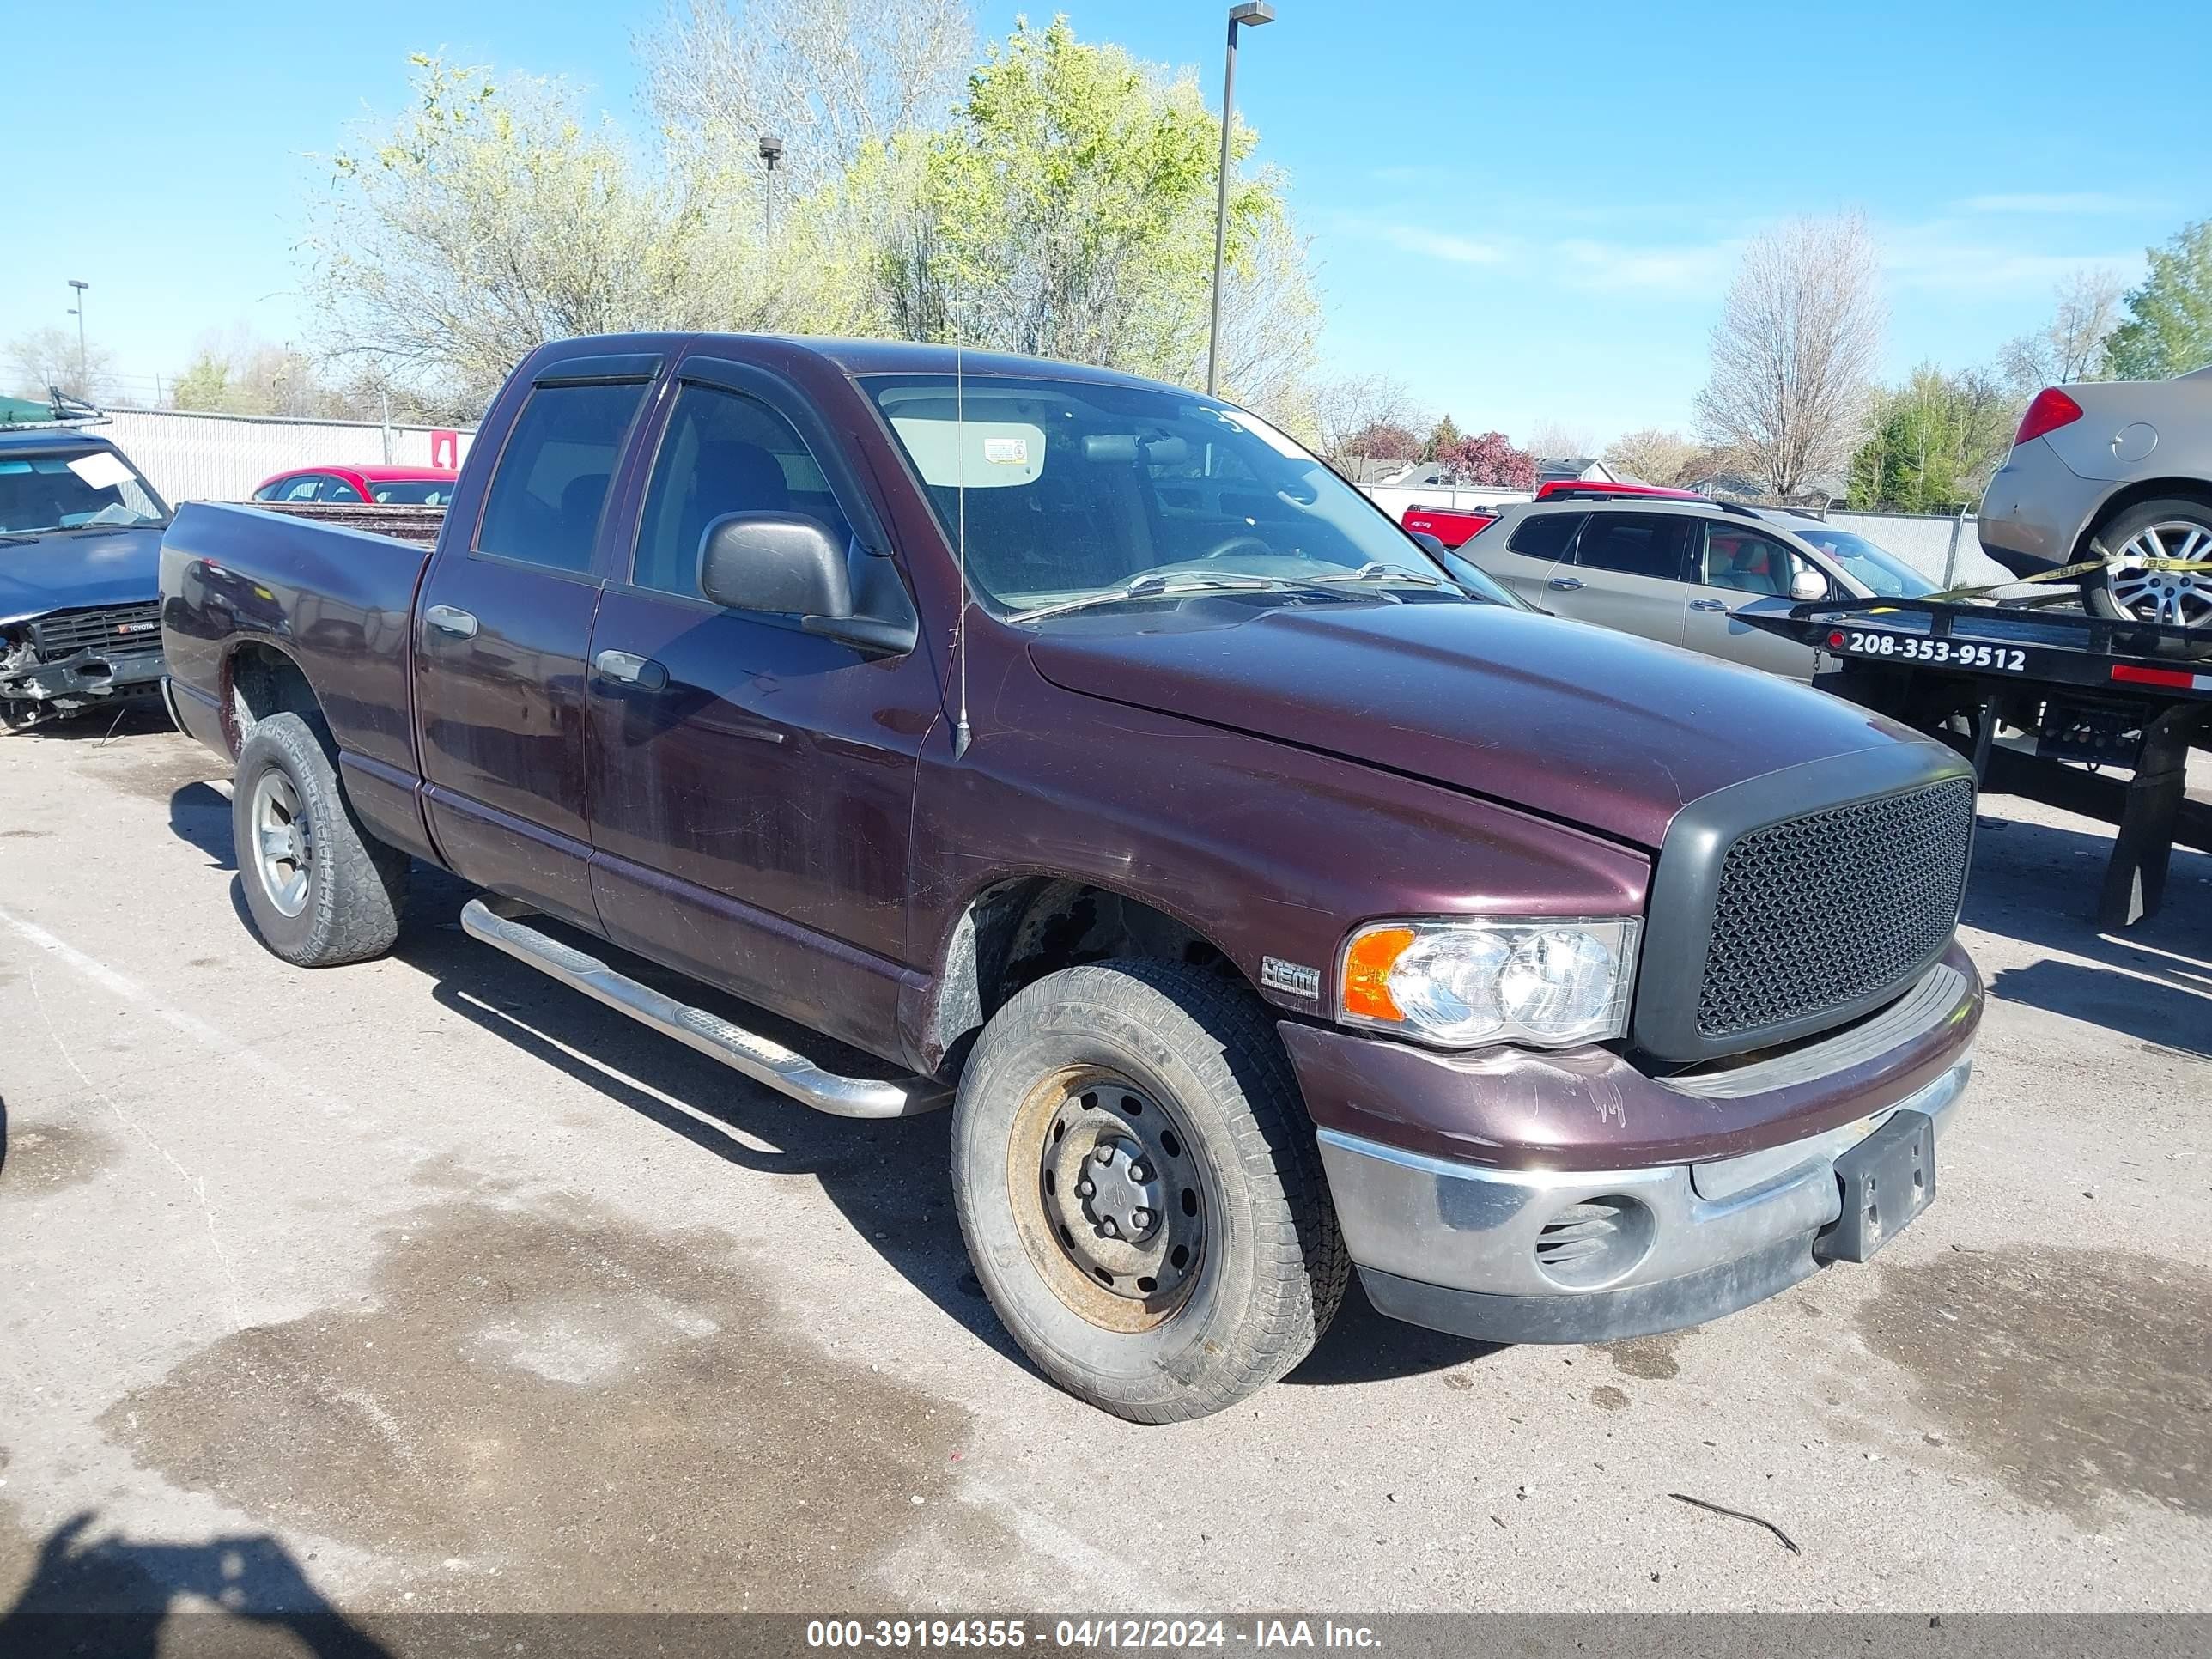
point(321, 889)
point(1140, 1192)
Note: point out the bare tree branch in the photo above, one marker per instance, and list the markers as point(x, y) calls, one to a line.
point(1794, 352)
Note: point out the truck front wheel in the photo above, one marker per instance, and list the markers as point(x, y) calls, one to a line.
point(1140, 1192)
point(321, 889)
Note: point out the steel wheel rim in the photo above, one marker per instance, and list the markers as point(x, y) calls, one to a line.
point(2176, 597)
point(283, 856)
point(1126, 1253)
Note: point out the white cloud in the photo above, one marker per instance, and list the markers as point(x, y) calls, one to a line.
point(1936, 258)
point(2059, 202)
point(1439, 245)
point(1688, 272)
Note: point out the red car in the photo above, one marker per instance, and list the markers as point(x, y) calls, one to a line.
point(1584, 487)
point(383, 486)
point(1453, 529)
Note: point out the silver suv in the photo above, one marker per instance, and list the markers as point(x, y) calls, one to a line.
point(1674, 571)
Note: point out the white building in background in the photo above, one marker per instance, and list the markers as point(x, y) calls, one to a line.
point(190, 457)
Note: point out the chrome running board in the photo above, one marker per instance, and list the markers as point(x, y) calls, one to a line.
point(741, 1051)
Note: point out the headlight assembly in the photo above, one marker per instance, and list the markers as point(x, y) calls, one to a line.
point(1468, 982)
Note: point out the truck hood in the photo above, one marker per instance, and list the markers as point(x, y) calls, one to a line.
point(1591, 727)
point(79, 569)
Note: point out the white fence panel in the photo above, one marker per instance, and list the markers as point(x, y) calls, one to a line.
point(220, 458)
point(1924, 541)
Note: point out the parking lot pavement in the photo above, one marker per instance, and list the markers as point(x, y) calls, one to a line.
point(429, 1283)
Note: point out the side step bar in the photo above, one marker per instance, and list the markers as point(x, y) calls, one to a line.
point(740, 1050)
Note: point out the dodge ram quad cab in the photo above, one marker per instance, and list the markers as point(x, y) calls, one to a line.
point(1263, 902)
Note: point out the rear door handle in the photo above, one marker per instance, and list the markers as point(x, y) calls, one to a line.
point(626, 668)
point(1565, 584)
point(447, 620)
point(1708, 605)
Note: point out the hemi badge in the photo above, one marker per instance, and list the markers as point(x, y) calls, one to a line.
point(1294, 978)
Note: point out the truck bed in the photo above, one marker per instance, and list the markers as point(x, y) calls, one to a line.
point(336, 602)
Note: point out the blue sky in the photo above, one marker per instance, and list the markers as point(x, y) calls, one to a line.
point(1527, 216)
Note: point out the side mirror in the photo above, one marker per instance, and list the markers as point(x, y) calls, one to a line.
point(782, 562)
point(1808, 585)
point(1434, 544)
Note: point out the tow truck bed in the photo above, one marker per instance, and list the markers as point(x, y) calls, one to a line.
point(2075, 687)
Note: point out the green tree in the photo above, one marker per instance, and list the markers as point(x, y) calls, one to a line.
point(1936, 439)
point(493, 216)
point(1442, 437)
point(2169, 326)
point(1068, 212)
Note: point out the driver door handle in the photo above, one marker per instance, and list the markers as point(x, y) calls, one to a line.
point(447, 620)
point(626, 668)
point(1565, 584)
point(1708, 605)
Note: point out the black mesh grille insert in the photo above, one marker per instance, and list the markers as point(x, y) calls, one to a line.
point(120, 628)
point(1817, 912)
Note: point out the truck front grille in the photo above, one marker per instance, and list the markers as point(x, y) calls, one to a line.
point(122, 629)
point(1817, 912)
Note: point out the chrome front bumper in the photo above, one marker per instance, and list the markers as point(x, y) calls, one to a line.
point(1457, 1246)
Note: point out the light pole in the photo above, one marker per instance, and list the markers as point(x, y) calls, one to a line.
point(771, 152)
point(1254, 12)
point(77, 311)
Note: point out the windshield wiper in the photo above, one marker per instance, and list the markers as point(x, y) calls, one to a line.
point(1156, 585)
point(1379, 572)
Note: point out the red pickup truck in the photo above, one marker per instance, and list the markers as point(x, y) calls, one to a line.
point(1263, 902)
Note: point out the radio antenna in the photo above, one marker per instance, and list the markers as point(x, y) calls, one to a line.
point(960, 732)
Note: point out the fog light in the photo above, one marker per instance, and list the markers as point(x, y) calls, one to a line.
point(1594, 1241)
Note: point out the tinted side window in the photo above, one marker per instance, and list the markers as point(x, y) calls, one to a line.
point(298, 489)
point(1546, 535)
point(1748, 562)
point(724, 453)
point(338, 489)
point(1634, 543)
point(545, 500)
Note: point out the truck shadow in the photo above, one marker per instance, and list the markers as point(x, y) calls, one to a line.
point(137, 718)
point(2037, 884)
point(199, 814)
point(888, 1180)
point(116, 1598)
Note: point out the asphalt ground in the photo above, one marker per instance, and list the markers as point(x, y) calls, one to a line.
point(429, 1285)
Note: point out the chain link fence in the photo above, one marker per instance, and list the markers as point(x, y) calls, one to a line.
point(220, 458)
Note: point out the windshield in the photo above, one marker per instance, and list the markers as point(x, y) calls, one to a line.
point(1880, 571)
point(1077, 492)
point(411, 492)
point(73, 490)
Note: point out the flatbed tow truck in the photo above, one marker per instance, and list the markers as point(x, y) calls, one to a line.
point(2036, 689)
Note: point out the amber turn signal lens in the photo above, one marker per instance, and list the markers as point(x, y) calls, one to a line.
point(1367, 967)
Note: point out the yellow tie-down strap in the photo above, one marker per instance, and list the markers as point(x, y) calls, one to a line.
point(2060, 574)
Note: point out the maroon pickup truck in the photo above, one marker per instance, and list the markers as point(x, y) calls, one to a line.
point(1264, 901)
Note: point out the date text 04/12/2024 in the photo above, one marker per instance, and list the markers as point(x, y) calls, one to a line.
point(1162, 1634)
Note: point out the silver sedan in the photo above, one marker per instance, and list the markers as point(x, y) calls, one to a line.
point(2125, 464)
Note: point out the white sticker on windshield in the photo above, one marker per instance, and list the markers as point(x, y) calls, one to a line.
point(100, 469)
point(979, 454)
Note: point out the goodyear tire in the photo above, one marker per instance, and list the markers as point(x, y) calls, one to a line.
point(1140, 1192)
point(320, 889)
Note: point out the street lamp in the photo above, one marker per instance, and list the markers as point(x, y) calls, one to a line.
point(771, 152)
point(77, 311)
point(1254, 12)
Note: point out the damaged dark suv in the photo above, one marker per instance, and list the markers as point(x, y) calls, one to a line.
point(80, 560)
